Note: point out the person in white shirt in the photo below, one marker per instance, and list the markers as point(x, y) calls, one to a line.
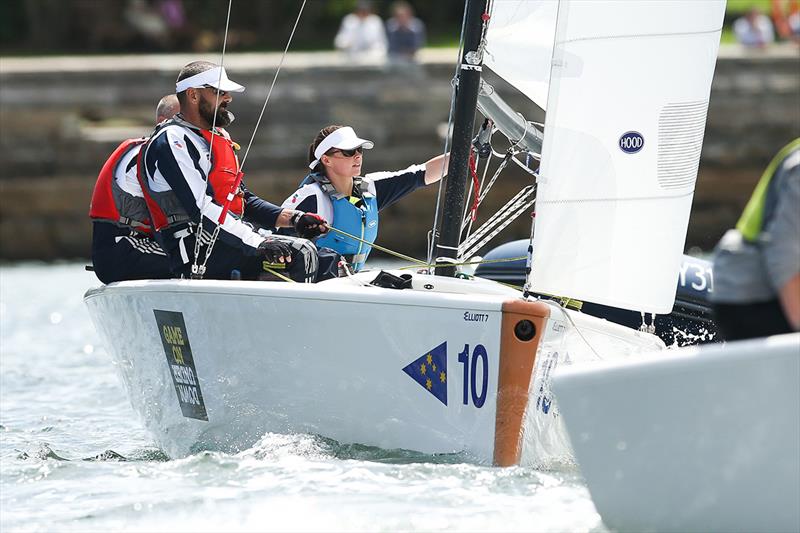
point(361, 35)
point(754, 29)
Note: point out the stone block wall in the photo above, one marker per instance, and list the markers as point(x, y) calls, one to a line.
point(61, 117)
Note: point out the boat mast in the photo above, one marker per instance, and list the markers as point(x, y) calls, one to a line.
point(468, 83)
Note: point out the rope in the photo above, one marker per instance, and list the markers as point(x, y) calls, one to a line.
point(476, 186)
point(275, 273)
point(418, 262)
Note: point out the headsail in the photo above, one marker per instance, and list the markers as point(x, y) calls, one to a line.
point(625, 119)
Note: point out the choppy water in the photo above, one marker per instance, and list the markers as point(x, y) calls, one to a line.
point(73, 456)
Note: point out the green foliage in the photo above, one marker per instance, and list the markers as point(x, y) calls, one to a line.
point(740, 7)
point(13, 23)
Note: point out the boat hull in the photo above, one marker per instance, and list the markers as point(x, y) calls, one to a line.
point(217, 364)
point(705, 439)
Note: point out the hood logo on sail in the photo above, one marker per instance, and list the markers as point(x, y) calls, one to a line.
point(430, 371)
point(631, 142)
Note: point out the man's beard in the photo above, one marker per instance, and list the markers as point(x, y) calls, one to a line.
point(224, 117)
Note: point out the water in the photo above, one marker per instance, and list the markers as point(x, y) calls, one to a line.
point(74, 457)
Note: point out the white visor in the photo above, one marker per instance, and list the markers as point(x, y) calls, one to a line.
point(344, 139)
point(215, 77)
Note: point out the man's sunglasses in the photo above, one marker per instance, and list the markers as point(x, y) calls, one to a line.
point(349, 153)
point(216, 91)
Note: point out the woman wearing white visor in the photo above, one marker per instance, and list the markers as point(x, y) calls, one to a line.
point(350, 202)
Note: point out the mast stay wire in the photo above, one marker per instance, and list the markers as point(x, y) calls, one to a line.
point(272, 86)
point(486, 17)
point(200, 270)
point(432, 236)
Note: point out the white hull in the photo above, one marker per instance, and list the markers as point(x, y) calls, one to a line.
point(705, 439)
point(329, 359)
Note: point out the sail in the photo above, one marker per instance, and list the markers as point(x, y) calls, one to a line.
point(626, 113)
point(520, 44)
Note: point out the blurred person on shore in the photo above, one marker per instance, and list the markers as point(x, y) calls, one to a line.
point(191, 181)
point(405, 34)
point(754, 29)
point(361, 35)
point(123, 247)
point(336, 190)
point(757, 264)
point(148, 23)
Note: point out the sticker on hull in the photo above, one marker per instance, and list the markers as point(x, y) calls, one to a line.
point(172, 329)
point(430, 371)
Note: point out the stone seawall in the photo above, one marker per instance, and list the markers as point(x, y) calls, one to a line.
point(61, 117)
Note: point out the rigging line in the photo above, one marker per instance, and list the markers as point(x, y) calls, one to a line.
point(432, 240)
point(490, 231)
point(201, 270)
point(219, 80)
point(419, 262)
point(476, 262)
point(525, 167)
point(203, 203)
point(467, 221)
point(272, 86)
point(579, 332)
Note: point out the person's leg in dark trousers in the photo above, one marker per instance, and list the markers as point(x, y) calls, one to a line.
point(748, 321)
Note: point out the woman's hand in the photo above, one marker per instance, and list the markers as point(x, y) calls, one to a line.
point(309, 225)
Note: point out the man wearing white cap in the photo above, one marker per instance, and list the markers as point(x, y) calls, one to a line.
point(190, 173)
point(336, 190)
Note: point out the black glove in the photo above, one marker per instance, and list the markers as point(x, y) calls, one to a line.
point(273, 249)
point(309, 225)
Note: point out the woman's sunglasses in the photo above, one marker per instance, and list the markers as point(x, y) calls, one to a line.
point(349, 153)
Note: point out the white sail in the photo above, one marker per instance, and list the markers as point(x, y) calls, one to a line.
point(626, 114)
point(520, 44)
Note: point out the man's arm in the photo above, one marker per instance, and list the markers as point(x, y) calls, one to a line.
point(173, 163)
point(781, 251)
point(260, 211)
point(789, 296)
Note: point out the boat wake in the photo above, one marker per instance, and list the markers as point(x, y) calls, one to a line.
point(43, 452)
point(276, 447)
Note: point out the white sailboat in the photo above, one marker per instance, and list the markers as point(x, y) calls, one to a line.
point(445, 364)
point(703, 439)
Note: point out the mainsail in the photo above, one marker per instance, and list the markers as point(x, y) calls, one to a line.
point(626, 112)
point(520, 45)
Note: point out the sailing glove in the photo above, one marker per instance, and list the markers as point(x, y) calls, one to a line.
point(309, 225)
point(273, 250)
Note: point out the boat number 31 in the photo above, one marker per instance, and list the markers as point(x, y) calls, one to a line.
point(471, 363)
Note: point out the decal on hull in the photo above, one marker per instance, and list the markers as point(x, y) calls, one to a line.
point(172, 329)
point(430, 371)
